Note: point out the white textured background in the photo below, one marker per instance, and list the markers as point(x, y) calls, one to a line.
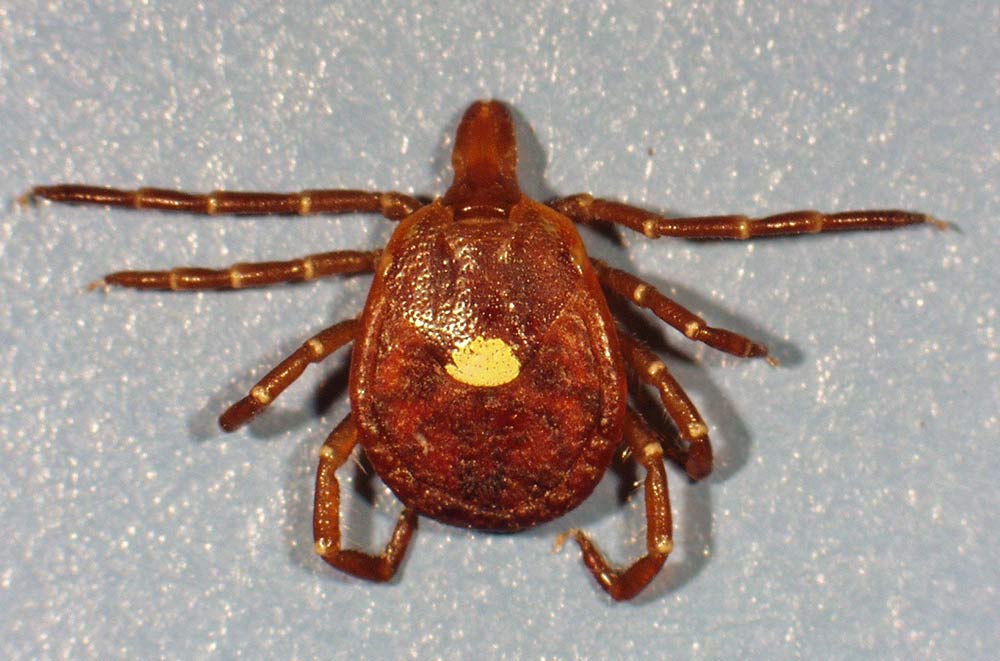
point(853, 510)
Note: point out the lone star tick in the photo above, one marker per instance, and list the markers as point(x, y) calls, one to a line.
point(488, 377)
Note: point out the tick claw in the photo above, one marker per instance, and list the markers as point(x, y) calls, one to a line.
point(557, 547)
point(98, 284)
point(27, 199)
point(941, 225)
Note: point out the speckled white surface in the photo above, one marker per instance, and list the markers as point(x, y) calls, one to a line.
point(853, 511)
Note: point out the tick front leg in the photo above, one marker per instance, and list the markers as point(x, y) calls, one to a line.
point(583, 208)
point(326, 515)
point(241, 276)
point(267, 389)
point(625, 584)
point(393, 206)
point(697, 457)
point(645, 295)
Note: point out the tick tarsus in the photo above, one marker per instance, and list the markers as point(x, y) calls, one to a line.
point(485, 191)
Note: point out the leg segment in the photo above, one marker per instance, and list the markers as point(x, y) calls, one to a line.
point(240, 276)
point(290, 369)
point(583, 208)
point(394, 206)
point(627, 583)
point(645, 295)
point(326, 515)
point(690, 426)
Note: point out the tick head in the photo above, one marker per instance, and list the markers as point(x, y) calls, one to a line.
point(485, 163)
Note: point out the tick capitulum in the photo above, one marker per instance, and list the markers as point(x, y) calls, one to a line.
point(488, 377)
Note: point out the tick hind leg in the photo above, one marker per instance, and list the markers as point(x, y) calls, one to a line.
point(696, 458)
point(627, 583)
point(585, 208)
point(274, 383)
point(326, 515)
point(392, 205)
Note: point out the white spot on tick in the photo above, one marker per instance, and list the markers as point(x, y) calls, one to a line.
point(652, 450)
point(260, 395)
point(483, 362)
point(697, 430)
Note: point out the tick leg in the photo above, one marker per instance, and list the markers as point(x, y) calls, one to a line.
point(241, 276)
point(583, 208)
point(393, 206)
point(645, 295)
point(326, 515)
point(625, 584)
point(697, 459)
point(267, 389)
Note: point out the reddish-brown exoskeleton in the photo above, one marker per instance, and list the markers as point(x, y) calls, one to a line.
point(488, 380)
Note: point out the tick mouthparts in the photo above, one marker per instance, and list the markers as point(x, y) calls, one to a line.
point(485, 160)
point(486, 143)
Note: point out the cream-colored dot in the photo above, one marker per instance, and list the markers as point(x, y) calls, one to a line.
point(235, 279)
point(322, 547)
point(305, 204)
point(260, 395)
point(308, 269)
point(316, 346)
point(483, 362)
point(691, 328)
point(385, 201)
point(649, 228)
point(174, 280)
point(211, 204)
point(655, 368)
point(697, 430)
point(744, 229)
point(664, 546)
point(652, 449)
point(639, 293)
point(326, 452)
point(817, 224)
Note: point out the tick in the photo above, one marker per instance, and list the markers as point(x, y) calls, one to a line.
point(488, 376)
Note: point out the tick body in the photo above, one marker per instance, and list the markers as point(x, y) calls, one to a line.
point(488, 378)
